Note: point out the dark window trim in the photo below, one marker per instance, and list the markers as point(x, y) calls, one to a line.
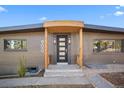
point(107, 53)
point(109, 39)
point(15, 50)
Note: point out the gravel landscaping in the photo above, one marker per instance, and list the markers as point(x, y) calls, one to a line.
point(116, 78)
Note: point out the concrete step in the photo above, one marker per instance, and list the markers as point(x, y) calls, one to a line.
point(63, 66)
point(63, 74)
point(63, 70)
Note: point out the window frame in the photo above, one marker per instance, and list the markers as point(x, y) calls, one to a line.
point(113, 52)
point(15, 50)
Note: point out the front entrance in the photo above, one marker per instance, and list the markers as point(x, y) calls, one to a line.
point(62, 48)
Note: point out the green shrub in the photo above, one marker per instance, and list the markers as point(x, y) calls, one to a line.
point(22, 67)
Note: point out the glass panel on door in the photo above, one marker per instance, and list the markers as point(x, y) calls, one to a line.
point(62, 48)
point(61, 43)
point(61, 39)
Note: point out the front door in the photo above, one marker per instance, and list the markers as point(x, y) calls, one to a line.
point(62, 48)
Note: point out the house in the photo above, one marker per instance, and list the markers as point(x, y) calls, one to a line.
point(61, 41)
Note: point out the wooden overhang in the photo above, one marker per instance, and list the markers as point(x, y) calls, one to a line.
point(63, 27)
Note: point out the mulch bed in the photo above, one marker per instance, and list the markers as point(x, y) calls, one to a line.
point(116, 78)
point(58, 86)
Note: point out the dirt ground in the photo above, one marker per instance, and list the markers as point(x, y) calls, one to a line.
point(116, 78)
point(58, 86)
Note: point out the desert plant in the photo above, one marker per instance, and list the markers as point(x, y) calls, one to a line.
point(22, 67)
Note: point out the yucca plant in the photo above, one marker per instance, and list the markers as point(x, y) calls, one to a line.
point(22, 67)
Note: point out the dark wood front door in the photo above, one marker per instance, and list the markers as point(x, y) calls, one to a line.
point(62, 48)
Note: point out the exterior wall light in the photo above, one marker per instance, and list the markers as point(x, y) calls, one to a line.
point(54, 40)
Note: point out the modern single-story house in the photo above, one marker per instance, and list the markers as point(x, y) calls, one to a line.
point(62, 41)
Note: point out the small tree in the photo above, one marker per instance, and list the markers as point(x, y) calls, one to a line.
point(22, 67)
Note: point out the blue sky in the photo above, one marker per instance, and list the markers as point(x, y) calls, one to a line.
point(99, 15)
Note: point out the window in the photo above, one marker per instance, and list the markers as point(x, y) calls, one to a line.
point(108, 46)
point(15, 44)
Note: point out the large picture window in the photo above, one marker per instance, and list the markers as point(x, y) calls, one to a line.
point(15, 44)
point(108, 46)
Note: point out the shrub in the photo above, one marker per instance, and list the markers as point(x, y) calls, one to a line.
point(22, 67)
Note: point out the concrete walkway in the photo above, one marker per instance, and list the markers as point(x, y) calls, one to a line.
point(91, 76)
point(95, 79)
point(99, 82)
point(43, 81)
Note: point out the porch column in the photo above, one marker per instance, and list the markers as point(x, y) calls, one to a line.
point(46, 48)
point(81, 48)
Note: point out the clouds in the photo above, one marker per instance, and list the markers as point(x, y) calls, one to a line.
point(43, 18)
point(2, 9)
point(119, 7)
point(119, 13)
point(106, 15)
point(102, 17)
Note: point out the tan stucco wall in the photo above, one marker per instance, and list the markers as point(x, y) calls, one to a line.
point(100, 58)
point(35, 57)
point(74, 46)
point(34, 54)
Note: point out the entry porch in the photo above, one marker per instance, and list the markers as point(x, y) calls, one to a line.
point(63, 43)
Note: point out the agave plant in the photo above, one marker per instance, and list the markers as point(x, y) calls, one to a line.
point(22, 67)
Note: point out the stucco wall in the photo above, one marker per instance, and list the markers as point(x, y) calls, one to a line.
point(100, 58)
point(35, 51)
point(34, 55)
point(74, 46)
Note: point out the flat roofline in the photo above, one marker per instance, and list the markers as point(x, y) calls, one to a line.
point(40, 25)
point(105, 28)
point(64, 21)
point(21, 27)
